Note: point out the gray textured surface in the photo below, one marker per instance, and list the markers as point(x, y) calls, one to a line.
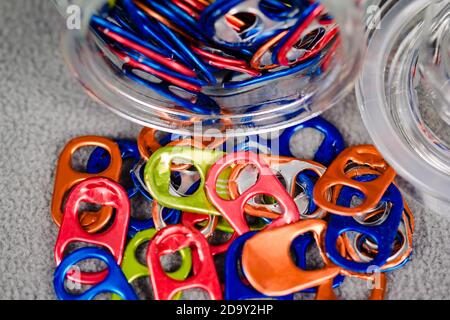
point(42, 107)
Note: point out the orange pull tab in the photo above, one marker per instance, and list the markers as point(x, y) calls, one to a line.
point(336, 174)
point(268, 265)
point(67, 177)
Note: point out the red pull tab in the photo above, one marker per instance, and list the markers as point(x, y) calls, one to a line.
point(170, 240)
point(268, 184)
point(103, 192)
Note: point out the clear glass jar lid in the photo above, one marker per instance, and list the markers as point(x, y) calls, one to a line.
point(403, 95)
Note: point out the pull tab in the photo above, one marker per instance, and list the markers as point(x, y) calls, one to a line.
point(332, 145)
point(362, 249)
point(115, 281)
point(235, 288)
point(354, 243)
point(157, 177)
point(66, 178)
point(170, 240)
point(103, 192)
point(133, 269)
point(383, 232)
point(268, 184)
point(364, 155)
point(290, 169)
point(268, 265)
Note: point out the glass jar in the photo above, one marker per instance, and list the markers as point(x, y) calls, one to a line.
point(404, 95)
point(267, 106)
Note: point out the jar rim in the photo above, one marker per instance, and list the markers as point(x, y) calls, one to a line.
point(374, 105)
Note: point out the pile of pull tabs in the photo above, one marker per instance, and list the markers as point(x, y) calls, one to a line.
point(273, 206)
point(183, 49)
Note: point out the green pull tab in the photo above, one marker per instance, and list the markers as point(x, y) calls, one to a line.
point(133, 269)
point(157, 177)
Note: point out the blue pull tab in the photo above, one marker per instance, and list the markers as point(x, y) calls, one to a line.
point(332, 145)
point(235, 288)
point(115, 282)
point(382, 234)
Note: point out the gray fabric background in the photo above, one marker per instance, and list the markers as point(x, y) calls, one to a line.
point(42, 107)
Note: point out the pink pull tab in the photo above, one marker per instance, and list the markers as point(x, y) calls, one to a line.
point(267, 184)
